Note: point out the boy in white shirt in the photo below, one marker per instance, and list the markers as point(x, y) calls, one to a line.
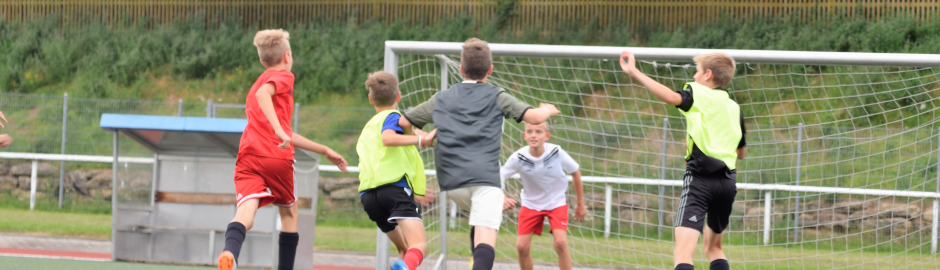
point(543, 168)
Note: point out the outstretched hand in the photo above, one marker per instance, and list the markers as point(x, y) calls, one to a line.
point(551, 109)
point(4, 118)
point(428, 140)
point(5, 140)
point(628, 63)
point(427, 199)
point(508, 203)
point(337, 159)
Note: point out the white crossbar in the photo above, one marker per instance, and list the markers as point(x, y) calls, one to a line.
point(671, 54)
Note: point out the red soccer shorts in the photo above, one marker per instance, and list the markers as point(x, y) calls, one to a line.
point(530, 221)
point(271, 180)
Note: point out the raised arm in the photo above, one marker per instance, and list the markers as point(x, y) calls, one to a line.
point(541, 114)
point(419, 115)
point(306, 144)
point(263, 95)
point(391, 138)
point(628, 64)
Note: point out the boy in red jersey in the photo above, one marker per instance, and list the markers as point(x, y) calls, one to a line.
point(264, 168)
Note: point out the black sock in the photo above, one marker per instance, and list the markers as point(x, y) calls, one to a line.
point(472, 246)
point(483, 257)
point(287, 244)
point(234, 237)
point(720, 264)
point(685, 266)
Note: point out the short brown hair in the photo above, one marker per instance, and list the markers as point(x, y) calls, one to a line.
point(476, 59)
point(272, 44)
point(721, 64)
point(383, 88)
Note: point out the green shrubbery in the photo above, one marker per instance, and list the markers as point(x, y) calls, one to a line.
point(108, 61)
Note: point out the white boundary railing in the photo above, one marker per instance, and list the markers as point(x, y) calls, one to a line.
point(394, 48)
point(609, 181)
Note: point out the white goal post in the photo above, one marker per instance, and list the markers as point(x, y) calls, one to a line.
point(861, 163)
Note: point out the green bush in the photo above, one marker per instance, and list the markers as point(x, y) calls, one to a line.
point(97, 60)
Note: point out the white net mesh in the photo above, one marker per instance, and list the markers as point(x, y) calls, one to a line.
point(864, 128)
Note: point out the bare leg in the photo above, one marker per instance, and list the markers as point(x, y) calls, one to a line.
point(399, 241)
point(523, 245)
point(686, 238)
point(561, 247)
point(245, 214)
point(288, 218)
point(413, 231)
point(484, 235)
point(711, 244)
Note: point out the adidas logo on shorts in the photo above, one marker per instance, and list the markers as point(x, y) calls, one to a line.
point(693, 219)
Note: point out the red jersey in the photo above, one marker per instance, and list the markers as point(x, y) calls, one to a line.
point(259, 138)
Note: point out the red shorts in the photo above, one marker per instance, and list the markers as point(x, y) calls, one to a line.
point(531, 221)
point(271, 180)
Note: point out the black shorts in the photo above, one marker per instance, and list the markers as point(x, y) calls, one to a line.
point(388, 203)
point(710, 195)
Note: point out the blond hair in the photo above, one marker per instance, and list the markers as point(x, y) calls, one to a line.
point(272, 44)
point(544, 124)
point(383, 88)
point(721, 64)
point(476, 59)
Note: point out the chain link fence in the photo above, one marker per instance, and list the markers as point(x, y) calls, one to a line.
point(53, 124)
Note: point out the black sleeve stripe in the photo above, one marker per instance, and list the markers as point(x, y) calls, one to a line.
point(524, 159)
point(552, 154)
point(519, 120)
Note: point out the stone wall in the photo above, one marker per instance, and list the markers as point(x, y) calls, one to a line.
point(87, 183)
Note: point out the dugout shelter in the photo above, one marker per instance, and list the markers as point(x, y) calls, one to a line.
point(181, 218)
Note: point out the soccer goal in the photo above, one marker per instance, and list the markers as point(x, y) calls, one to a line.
point(841, 171)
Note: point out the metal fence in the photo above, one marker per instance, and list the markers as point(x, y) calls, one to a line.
point(526, 13)
point(69, 127)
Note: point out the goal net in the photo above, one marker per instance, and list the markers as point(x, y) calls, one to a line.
point(841, 170)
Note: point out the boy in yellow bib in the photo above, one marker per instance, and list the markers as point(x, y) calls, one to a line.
point(391, 173)
point(715, 129)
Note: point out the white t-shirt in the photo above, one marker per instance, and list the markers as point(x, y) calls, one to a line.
point(544, 179)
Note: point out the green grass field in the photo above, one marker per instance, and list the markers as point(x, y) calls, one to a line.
point(55, 224)
point(587, 249)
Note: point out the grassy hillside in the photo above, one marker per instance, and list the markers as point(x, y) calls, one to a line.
point(186, 60)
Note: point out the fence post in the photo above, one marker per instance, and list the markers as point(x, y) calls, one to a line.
point(210, 109)
point(32, 185)
point(453, 215)
point(65, 118)
point(768, 200)
point(934, 225)
point(608, 193)
point(381, 250)
point(114, 193)
point(662, 176)
point(936, 204)
point(796, 211)
point(442, 215)
point(179, 108)
point(296, 126)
